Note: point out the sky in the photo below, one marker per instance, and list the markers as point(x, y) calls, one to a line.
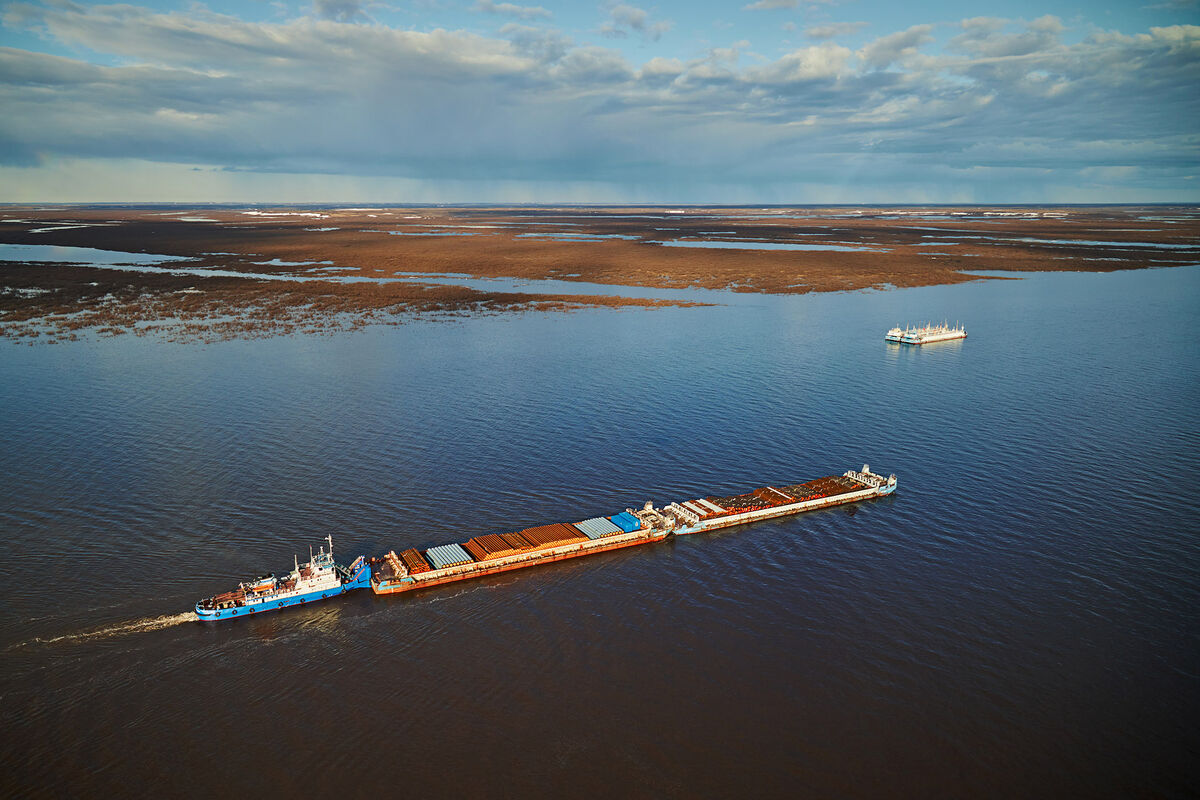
point(676, 101)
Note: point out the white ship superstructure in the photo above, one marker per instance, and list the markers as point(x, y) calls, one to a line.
point(318, 579)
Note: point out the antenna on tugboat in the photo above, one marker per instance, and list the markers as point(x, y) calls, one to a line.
point(329, 539)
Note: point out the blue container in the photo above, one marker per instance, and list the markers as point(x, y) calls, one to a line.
point(626, 522)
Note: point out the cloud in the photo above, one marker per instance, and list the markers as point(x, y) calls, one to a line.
point(510, 10)
point(834, 29)
point(894, 47)
point(1181, 39)
point(660, 70)
point(531, 106)
point(625, 19)
point(773, 5)
point(1174, 5)
point(825, 60)
point(541, 44)
point(340, 10)
point(986, 37)
point(591, 66)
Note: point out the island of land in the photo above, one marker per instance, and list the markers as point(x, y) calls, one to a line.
point(217, 272)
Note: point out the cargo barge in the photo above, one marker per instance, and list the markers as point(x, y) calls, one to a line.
point(320, 578)
point(925, 334)
point(501, 552)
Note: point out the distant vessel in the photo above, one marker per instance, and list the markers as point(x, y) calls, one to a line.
point(925, 334)
point(318, 579)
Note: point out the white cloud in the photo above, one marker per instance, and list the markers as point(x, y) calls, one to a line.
point(1047, 24)
point(660, 69)
point(624, 19)
point(834, 29)
point(587, 66)
point(825, 60)
point(985, 37)
point(1179, 38)
point(511, 10)
point(540, 44)
point(1174, 5)
point(894, 47)
point(774, 5)
point(771, 5)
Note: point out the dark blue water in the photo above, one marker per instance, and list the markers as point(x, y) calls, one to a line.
point(1020, 619)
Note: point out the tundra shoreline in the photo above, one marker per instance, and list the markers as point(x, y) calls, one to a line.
point(828, 249)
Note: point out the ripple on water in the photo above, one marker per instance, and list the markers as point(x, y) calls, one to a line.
point(1018, 619)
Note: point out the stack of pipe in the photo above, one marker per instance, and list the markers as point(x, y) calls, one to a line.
point(597, 528)
point(552, 535)
point(413, 560)
point(516, 541)
point(448, 555)
point(495, 545)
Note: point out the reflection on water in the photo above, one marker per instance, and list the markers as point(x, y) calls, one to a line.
point(898, 352)
point(947, 234)
point(752, 245)
point(571, 236)
point(89, 256)
point(433, 233)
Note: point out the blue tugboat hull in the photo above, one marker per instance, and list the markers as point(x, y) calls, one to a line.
point(360, 578)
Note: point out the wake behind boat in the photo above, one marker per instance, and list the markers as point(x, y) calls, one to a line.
point(318, 579)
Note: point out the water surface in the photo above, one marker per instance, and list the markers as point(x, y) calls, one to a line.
point(1018, 620)
point(752, 245)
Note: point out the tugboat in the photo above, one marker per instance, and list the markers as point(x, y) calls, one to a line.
point(319, 579)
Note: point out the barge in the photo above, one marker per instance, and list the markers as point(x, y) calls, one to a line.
point(322, 578)
point(925, 334)
point(495, 553)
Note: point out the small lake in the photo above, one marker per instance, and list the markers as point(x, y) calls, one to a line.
point(750, 245)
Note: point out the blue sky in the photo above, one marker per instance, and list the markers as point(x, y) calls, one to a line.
point(766, 101)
